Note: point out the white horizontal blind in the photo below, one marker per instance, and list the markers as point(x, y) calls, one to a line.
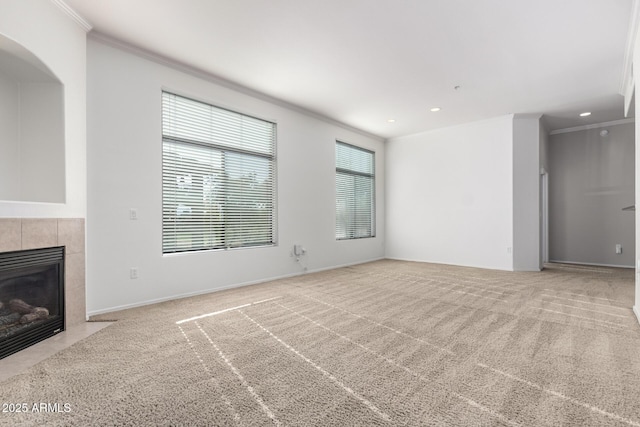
point(355, 192)
point(218, 183)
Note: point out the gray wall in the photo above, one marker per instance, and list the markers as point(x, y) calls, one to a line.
point(591, 178)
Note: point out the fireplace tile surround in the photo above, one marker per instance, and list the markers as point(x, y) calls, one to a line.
point(33, 233)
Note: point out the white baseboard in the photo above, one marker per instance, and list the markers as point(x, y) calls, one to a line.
point(208, 291)
point(636, 310)
point(484, 267)
point(590, 263)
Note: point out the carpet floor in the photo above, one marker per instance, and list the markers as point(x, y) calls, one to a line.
point(388, 343)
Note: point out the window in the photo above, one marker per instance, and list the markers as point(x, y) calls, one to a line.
point(355, 192)
point(218, 186)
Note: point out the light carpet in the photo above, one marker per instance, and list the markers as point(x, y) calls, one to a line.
point(387, 343)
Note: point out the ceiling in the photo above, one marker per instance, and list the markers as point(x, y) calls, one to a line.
point(364, 62)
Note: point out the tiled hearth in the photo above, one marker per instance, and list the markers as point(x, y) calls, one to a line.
point(17, 234)
point(33, 233)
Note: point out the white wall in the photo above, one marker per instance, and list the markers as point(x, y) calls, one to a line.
point(10, 174)
point(32, 140)
point(42, 28)
point(124, 164)
point(42, 142)
point(526, 193)
point(450, 195)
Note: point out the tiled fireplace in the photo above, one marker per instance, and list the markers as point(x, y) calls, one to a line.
point(34, 233)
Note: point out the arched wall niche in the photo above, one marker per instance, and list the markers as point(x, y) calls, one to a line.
point(32, 141)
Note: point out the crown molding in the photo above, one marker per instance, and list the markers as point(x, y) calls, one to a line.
point(75, 16)
point(593, 126)
point(525, 116)
point(627, 82)
point(205, 75)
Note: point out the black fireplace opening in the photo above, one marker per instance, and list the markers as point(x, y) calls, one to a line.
point(31, 297)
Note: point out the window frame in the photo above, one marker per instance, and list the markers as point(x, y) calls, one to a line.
point(371, 176)
point(224, 151)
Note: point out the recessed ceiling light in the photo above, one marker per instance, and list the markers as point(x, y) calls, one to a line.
point(435, 109)
point(585, 114)
point(391, 120)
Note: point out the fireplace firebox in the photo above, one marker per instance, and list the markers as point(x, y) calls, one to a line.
point(31, 297)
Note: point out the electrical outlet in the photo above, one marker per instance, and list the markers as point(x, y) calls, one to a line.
point(509, 250)
point(618, 248)
point(133, 272)
point(133, 213)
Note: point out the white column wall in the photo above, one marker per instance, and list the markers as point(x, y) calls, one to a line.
point(42, 28)
point(636, 66)
point(526, 193)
